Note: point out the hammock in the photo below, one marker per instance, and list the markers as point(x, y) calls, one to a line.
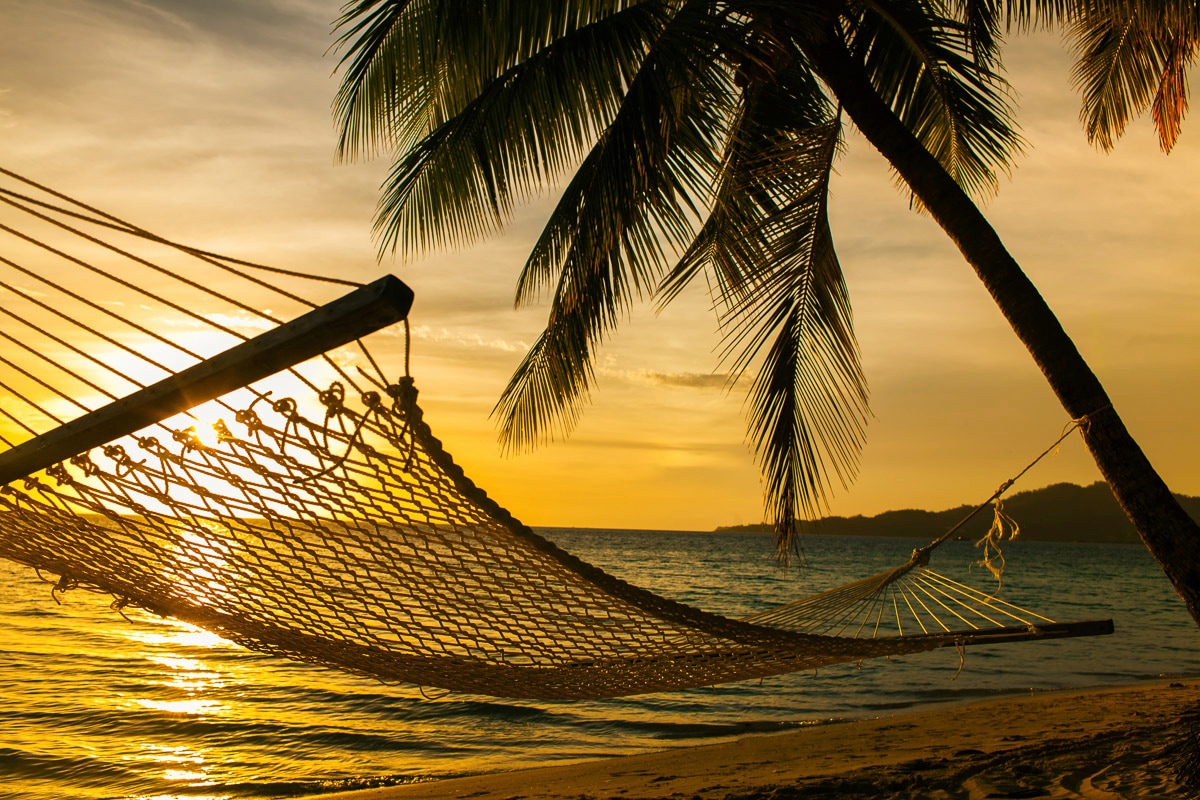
point(279, 489)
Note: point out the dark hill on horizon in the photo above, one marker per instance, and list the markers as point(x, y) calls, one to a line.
point(1062, 512)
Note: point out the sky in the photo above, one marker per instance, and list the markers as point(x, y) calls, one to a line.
point(210, 123)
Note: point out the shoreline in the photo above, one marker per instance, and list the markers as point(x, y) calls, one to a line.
point(1134, 741)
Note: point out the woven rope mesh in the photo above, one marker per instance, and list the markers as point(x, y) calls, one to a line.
point(313, 514)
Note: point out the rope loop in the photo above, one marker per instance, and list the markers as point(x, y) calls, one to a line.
point(84, 463)
point(248, 417)
point(120, 603)
point(188, 439)
point(404, 395)
point(961, 647)
point(151, 444)
point(334, 399)
point(404, 401)
point(125, 463)
point(60, 474)
point(65, 584)
point(287, 407)
point(223, 432)
point(1084, 423)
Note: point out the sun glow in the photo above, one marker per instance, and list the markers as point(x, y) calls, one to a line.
point(181, 635)
point(181, 680)
point(194, 707)
point(181, 765)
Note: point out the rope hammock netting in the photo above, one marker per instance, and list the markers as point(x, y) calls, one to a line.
point(173, 445)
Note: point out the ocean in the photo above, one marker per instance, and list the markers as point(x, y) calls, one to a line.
point(96, 706)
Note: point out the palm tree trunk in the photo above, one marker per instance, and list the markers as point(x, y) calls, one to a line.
point(1165, 528)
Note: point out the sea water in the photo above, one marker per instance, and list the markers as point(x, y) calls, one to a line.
point(94, 705)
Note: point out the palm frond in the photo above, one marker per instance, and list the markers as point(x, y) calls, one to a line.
point(1160, 18)
point(922, 64)
point(1026, 15)
point(636, 197)
point(1171, 100)
point(1130, 55)
point(384, 74)
point(808, 401)
point(410, 65)
point(767, 247)
point(520, 132)
point(775, 155)
point(1118, 68)
point(982, 24)
point(545, 393)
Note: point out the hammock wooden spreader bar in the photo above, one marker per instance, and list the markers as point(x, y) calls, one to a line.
point(361, 312)
point(287, 493)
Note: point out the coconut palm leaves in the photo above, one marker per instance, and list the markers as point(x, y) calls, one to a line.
point(1134, 55)
point(767, 250)
point(632, 201)
point(479, 109)
point(939, 78)
point(701, 143)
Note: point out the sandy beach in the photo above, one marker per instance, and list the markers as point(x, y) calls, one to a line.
point(1140, 741)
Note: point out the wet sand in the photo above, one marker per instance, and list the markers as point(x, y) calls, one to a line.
point(1140, 741)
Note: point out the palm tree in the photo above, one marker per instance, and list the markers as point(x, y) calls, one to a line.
point(699, 137)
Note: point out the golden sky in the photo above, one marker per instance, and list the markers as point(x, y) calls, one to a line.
point(209, 123)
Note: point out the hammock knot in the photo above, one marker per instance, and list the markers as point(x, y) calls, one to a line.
point(372, 400)
point(286, 407)
point(1084, 423)
point(1003, 526)
point(151, 444)
point(249, 418)
point(188, 438)
point(123, 460)
point(404, 396)
point(920, 557)
point(222, 431)
point(84, 463)
point(64, 584)
point(333, 399)
point(60, 474)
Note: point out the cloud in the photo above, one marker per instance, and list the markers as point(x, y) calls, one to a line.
point(686, 380)
point(466, 339)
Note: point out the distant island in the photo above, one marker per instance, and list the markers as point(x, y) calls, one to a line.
point(1063, 512)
